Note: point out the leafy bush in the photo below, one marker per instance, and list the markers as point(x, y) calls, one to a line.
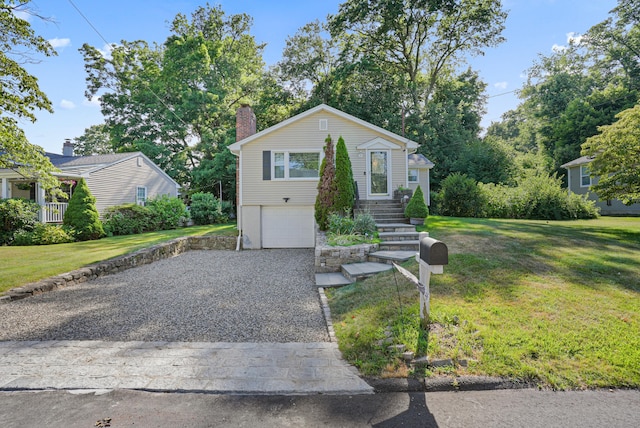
point(82, 215)
point(128, 219)
point(16, 215)
point(363, 224)
point(340, 224)
point(460, 197)
point(537, 196)
point(416, 208)
point(206, 209)
point(167, 212)
point(44, 234)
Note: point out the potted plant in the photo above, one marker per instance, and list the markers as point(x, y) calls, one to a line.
point(401, 192)
point(416, 210)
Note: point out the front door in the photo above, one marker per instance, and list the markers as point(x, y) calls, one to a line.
point(379, 173)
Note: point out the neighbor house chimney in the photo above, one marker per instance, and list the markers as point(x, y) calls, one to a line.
point(245, 122)
point(67, 148)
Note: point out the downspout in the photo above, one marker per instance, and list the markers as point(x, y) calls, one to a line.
point(239, 203)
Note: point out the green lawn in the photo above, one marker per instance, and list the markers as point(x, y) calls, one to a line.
point(22, 265)
point(553, 303)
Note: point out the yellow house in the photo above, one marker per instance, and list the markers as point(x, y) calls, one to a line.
point(278, 171)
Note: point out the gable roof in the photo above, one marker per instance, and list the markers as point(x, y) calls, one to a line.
point(417, 160)
point(85, 165)
point(577, 162)
point(235, 147)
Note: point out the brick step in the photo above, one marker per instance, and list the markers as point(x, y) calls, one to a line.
point(399, 246)
point(398, 236)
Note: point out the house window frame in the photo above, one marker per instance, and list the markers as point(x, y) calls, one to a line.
point(417, 176)
point(584, 174)
point(284, 163)
point(141, 200)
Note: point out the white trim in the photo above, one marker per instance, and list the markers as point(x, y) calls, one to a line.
point(323, 124)
point(378, 143)
point(582, 175)
point(287, 165)
point(417, 170)
point(144, 202)
point(235, 147)
point(389, 193)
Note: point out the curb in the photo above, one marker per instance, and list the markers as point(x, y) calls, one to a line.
point(444, 384)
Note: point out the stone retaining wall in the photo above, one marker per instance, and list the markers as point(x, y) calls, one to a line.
point(329, 259)
point(118, 264)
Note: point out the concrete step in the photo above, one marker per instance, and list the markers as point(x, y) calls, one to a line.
point(395, 227)
point(332, 279)
point(400, 245)
point(398, 236)
point(391, 220)
point(358, 271)
point(390, 257)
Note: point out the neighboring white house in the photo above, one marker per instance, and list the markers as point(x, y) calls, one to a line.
point(113, 179)
point(278, 171)
point(419, 168)
point(580, 181)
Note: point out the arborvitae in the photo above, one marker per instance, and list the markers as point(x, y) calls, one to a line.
point(416, 208)
point(326, 187)
point(345, 191)
point(82, 214)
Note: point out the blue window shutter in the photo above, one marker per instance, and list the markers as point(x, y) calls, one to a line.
point(266, 165)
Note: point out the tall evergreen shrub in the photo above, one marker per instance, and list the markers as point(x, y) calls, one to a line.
point(326, 186)
point(82, 215)
point(416, 208)
point(345, 191)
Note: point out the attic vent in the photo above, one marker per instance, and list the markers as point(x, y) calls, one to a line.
point(324, 124)
point(139, 159)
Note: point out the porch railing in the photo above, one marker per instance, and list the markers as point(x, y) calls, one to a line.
point(53, 212)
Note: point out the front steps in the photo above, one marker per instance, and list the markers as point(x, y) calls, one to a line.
point(399, 244)
point(383, 211)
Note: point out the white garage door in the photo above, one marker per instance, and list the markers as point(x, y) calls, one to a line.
point(288, 227)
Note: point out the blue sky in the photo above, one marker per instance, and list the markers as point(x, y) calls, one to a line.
point(533, 27)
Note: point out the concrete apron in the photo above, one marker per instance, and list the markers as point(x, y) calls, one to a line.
point(230, 368)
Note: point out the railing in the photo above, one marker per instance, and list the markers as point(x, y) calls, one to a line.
point(53, 212)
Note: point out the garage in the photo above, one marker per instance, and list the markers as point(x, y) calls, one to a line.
point(288, 227)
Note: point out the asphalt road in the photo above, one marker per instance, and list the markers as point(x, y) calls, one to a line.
point(503, 408)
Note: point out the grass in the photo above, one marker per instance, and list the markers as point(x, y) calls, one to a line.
point(22, 265)
point(552, 303)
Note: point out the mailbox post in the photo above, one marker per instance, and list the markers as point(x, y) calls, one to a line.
point(432, 257)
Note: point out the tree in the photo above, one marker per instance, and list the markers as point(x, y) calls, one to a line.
point(82, 215)
point(416, 208)
point(20, 95)
point(94, 141)
point(326, 186)
point(616, 153)
point(343, 181)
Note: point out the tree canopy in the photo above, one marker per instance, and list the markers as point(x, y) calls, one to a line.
point(21, 96)
point(616, 158)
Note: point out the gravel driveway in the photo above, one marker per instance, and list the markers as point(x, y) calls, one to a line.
point(207, 296)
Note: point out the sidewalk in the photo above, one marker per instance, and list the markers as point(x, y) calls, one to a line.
point(241, 368)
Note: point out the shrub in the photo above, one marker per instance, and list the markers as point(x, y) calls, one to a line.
point(416, 208)
point(343, 181)
point(206, 209)
point(166, 212)
point(326, 187)
point(128, 219)
point(460, 197)
point(44, 234)
point(82, 215)
point(340, 224)
point(16, 215)
point(343, 224)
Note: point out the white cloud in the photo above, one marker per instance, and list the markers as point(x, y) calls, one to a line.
point(501, 85)
point(93, 102)
point(59, 43)
point(558, 48)
point(574, 39)
point(67, 105)
point(107, 49)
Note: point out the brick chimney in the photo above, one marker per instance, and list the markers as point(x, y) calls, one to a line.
point(245, 122)
point(67, 148)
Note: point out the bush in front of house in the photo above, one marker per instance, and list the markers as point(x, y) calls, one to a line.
point(343, 180)
point(326, 187)
point(460, 197)
point(16, 215)
point(44, 234)
point(127, 219)
point(343, 224)
point(417, 208)
point(82, 215)
point(206, 209)
point(167, 212)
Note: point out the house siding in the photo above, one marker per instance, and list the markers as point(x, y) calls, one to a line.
point(615, 207)
point(423, 181)
point(306, 135)
point(116, 184)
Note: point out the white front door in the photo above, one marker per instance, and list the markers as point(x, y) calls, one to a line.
point(379, 174)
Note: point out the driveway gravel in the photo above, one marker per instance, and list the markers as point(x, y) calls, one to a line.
point(198, 296)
